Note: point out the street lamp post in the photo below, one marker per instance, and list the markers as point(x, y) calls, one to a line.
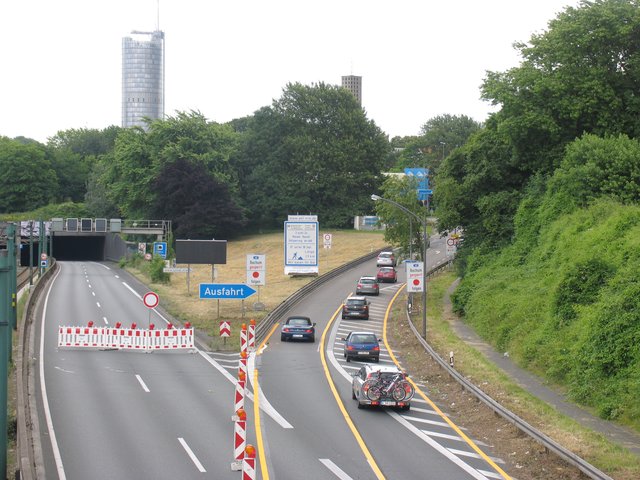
point(423, 222)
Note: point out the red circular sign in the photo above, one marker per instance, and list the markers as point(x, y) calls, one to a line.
point(255, 274)
point(416, 281)
point(151, 299)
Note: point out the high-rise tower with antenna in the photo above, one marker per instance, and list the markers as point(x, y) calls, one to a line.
point(142, 77)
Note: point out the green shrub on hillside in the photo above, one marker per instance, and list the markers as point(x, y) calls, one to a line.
point(569, 309)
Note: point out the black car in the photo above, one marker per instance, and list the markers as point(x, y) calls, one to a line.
point(298, 328)
point(355, 307)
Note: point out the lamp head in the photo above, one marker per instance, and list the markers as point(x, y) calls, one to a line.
point(375, 197)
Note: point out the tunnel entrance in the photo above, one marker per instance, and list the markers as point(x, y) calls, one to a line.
point(78, 248)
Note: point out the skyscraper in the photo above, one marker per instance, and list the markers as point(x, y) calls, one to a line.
point(142, 77)
point(353, 83)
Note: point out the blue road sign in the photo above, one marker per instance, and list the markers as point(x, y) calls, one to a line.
point(225, 290)
point(160, 248)
point(423, 193)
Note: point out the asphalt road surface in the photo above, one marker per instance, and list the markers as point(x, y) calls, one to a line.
point(131, 415)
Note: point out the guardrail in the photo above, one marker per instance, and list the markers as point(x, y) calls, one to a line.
point(550, 444)
point(29, 454)
point(546, 441)
point(265, 325)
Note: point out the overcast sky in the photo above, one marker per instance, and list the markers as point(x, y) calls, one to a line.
point(61, 59)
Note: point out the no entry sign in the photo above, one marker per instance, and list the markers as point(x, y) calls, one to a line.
point(151, 299)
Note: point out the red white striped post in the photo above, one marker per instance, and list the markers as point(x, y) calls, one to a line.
point(249, 463)
point(239, 439)
point(243, 338)
point(240, 391)
point(252, 335)
point(242, 365)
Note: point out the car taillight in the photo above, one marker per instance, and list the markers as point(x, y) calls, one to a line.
point(376, 349)
point(308, 330)
point(286, 329)
point(350, 347)
point(366, 307)
point(359, 285)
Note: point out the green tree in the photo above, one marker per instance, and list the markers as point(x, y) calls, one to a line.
point(29, 181)
point(198, 205)
point(312, 151)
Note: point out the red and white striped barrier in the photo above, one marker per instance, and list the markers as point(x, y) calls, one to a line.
point(249, 463)
point(239, 439)
point(80, 336)
point(243, 338)
point(242, 364)
point(252, 335)
point(125, 338)
point(240, 391)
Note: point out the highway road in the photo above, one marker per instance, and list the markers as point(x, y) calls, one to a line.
point(117, 414)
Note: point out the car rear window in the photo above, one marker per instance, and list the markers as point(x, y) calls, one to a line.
point(367, 280)
point(356, 302)
point(363, 338)
point(298, 321)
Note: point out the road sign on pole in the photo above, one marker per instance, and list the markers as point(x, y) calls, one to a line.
point(415, 276)
point(151, 299)
point(225, 290)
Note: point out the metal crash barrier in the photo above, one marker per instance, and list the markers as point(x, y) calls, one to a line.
point(119, 338)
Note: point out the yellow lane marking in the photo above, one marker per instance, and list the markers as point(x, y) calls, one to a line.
point(266, 339)
point(470, 442)
point(256, 410)
point(343, 410)
point(256, 413)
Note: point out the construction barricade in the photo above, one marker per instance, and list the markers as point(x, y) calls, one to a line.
point(126, 338)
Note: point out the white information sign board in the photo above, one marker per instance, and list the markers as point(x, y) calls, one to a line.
point(300, 247)
point(256, 268)
point(415, 276)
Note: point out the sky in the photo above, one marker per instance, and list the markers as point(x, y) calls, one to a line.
point(61, 59)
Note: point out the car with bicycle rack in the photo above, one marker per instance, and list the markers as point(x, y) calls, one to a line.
point(384, 386)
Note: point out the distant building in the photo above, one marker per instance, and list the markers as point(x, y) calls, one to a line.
point(142, 77)
point(353, 83)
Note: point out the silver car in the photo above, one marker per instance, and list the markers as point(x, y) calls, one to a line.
point(384, 386)
point(368, 285)
point(386, 259)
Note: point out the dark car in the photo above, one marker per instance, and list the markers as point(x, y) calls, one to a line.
point(298, 328)
point(355, 307)
point(386, 259)
point(368, 285)
point(387, 274)
point(361, 345)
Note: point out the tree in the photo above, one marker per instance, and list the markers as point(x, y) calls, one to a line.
point(29, 181)
point(312, 151)
point(199, 206)
point(581, 75)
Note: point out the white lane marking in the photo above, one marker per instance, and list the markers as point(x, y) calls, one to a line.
point(465, 453)
point(63, 370)
point(117, 276)
point(45, 400)
point(192, 455)
point(337, 471)
point(142, 384)
point(455, 438)
point(93, 293)
point(102, 265)
point(140, 297)
point(399, 418)
point(105, 320)
point(265, 406)
point(98, 304)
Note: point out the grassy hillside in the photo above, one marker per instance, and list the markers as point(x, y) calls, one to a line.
point(184, 303)
point(568, 306)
